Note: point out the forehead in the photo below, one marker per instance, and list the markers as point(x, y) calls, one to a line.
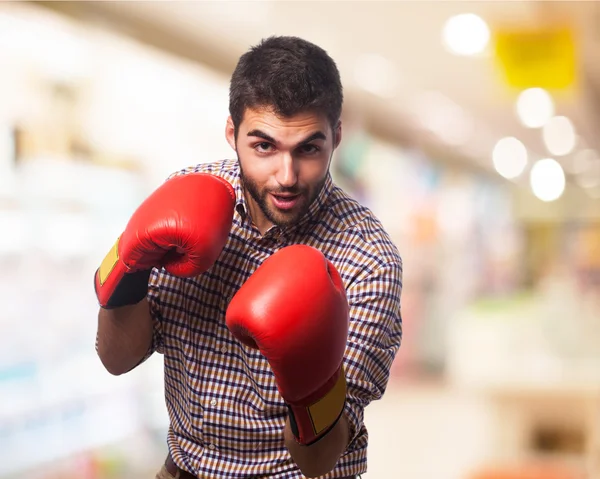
point(266, 118)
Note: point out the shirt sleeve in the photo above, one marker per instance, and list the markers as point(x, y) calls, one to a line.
point(153, 297)
point(154, 300)
point(374, 339)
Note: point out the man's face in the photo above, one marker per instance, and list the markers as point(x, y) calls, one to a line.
point(283, 162)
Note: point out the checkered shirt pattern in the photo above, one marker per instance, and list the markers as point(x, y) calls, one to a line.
point(226, 415)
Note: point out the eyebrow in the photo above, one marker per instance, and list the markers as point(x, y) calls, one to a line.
point(318, 135)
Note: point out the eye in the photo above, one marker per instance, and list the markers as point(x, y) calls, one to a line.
point(309, 149)
point(263, 147)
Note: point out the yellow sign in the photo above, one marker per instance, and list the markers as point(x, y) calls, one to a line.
point(544, 58)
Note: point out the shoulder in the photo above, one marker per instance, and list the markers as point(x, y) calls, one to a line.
point(227, 169)
point(355, 240)
point(363, 228)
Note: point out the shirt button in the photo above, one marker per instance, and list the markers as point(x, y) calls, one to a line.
point(213, 402)
point(224, 349)
point(211, 447)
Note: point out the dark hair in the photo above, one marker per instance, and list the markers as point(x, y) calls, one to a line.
point(288, 74)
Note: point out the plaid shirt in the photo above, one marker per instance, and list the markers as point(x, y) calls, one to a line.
point(226, 415)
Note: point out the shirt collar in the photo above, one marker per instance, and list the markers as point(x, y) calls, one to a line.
point(240, 201)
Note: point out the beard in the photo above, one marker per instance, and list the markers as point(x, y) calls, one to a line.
point(281, 218)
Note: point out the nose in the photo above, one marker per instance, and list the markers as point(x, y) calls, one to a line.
point(287, 175)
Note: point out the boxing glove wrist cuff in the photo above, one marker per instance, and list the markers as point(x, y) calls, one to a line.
point(311, 422)
point(132, 288)
point(116, 286)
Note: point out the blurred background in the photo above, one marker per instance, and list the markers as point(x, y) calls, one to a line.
point(471, 129)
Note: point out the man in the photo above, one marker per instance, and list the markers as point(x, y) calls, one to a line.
point(273, 296)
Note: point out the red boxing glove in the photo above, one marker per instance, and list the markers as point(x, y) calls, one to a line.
point(294, 310)
point(182, 226)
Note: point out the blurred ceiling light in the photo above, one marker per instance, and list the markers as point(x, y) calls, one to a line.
point(442, 116)
point(535, 107)
point(588, 174)
point(587, 182)
point(465, 34)
point(559, 135)
point(583, 161)
point(547, 179)
point(377, 75)
point(509, 157)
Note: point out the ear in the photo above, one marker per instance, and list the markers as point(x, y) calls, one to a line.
point(230, 133)
point(337, 135)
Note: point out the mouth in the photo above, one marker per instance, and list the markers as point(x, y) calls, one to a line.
point(285, 202)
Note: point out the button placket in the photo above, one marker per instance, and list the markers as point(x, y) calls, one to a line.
point(210, 434)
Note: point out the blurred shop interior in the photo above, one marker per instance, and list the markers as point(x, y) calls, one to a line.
point(471, 129)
